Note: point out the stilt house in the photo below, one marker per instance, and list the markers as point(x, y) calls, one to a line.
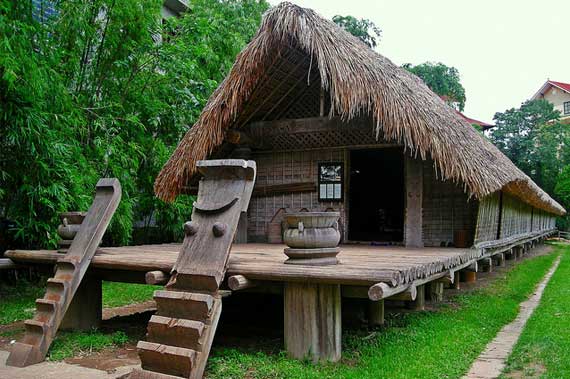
point(333, 125)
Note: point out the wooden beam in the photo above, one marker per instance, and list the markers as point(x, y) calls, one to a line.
point(413, 224)
point(264, 129)
point(419, 303)
point(409, 294)
point(7, 264)
point(287, 188)
point(156, 277)
point(240, 282)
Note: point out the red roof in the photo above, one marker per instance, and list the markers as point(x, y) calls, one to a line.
point(563, 86)
point(470, 120)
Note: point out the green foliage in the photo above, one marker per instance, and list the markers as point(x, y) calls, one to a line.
point(441, 79)
point(18, 300)
point(562, 192)
point(364, 29)
point(533, 139)
point(105, 89)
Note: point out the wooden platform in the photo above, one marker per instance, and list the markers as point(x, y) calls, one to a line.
point(359, 264)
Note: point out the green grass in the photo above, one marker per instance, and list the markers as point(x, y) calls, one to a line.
point(543, 349)
point(71, 344)
point(425, 345)
point(119, 294)
point(17, 302)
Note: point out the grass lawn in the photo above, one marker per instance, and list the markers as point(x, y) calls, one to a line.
point(440, 344)
point(543, 350)
point(17, 302)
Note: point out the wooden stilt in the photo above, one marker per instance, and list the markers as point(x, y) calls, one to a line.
point(376, 313)
point(436, 290)
point(86, 309)
point(420, 302)
point(456, 280)
point(313, 321)
point(469, 276)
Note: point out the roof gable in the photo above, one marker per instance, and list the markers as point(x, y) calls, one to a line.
point(358, 82)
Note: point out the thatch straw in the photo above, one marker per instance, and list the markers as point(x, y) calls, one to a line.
point(359, 81)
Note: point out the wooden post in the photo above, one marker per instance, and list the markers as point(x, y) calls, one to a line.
point(456, 280)
point(313, 321)
point(413, 225)
point(469, 276)
point(420, 302)
point(436, 290)
point(86, 309)
point(376, 313)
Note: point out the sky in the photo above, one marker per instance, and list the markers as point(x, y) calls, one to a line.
point(504, 49)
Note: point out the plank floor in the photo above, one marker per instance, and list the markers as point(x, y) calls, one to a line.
point(359, 264)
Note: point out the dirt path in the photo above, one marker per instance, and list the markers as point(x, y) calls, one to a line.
point(491, 362)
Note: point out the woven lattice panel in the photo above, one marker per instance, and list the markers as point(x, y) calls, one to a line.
point(331, 138)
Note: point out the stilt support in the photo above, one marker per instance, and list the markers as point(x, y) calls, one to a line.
point(376, 313)
point(313, 321)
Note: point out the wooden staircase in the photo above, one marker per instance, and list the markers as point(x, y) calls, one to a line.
point(181, 332)
point(70, 269)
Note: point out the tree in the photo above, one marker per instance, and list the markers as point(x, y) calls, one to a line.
point(532, 138)
point(562, 192)
point(441, 79)
point(364, 29)
point(91, 94)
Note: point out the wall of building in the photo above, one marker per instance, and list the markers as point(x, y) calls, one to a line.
point(557, 97)
point(448, 213)
point(446, 208)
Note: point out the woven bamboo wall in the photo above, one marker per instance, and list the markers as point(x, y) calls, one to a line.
point(517, 219)
point(289, 167)
point(446, 209)
point(488, 218)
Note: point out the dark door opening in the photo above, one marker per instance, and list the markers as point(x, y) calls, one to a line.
point(376, 195)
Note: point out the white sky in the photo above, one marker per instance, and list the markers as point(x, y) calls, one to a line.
point(504, 49)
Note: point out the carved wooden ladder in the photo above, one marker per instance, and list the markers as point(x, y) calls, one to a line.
point(70, 269)
point(181, 332)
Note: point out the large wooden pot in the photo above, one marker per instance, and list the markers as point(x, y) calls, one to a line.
point(312, 238)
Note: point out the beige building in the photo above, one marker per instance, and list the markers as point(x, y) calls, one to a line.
point(558, 94)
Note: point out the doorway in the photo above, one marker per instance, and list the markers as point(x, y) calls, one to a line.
point(376, 195)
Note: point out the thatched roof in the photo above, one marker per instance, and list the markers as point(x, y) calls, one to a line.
point(358, 81)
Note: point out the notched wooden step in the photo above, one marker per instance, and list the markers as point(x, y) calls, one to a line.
point(176, 332)
point(56, 289)
point(46, 305)
point(139, 373)
point(186, 305)
point(166, 359)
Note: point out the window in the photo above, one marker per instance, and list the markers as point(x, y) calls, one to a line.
point(567, 107)
point(331, 181)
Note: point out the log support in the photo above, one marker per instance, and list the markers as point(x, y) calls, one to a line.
point(486, 264)
point(436, 290)
point(376, 313)
point(420, 302)
point(456, 280)
point(313, 321)
point(469, 276)
point(86, 309)
point(413, 218)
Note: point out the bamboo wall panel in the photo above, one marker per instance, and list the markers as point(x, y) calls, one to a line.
point(275, 168)
point(488, 218)
point(446, 209)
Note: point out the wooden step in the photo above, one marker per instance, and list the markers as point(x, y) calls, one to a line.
point(139, 373)
point(46, 305)
point(166, 359)
point(56, 289)
point(176, 332)
point(185, 305)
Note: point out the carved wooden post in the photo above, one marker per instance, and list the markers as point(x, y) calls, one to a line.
point(181, 332)
point(413, 234)
point(70, 270)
